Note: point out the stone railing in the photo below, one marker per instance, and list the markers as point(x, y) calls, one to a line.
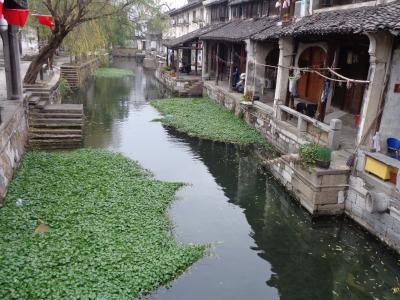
point(307, 127)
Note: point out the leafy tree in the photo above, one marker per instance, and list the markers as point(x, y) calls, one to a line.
point(68, 15)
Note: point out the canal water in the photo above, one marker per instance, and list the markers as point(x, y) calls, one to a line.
point(263, 244)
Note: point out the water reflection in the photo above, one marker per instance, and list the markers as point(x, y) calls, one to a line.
point(265, 245)
point(329, 258)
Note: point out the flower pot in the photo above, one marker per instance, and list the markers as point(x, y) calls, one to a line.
point(323, 164)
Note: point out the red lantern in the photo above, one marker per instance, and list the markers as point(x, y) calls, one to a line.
point(45, 20)
point(16, 17)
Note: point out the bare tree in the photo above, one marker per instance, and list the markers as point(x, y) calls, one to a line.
point(67, 15)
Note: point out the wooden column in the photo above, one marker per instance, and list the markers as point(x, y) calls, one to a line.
point(217, 65)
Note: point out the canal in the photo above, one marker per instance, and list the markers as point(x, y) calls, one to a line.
point(263, 244)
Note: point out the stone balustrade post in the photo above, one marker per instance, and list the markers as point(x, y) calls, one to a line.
point(301, 125)
point(334, 134)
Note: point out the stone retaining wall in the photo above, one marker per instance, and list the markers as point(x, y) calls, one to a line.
point(185, 87)
point(319, 191)
point(13, 137)
point(385, 224)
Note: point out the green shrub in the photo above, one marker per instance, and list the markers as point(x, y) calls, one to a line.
point(323, 153)
point(64, 87)
point(311, 153)
point(166, 69)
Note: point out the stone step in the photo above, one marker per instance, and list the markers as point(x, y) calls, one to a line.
point(34, 100)
point(55, 115)
point(59, 122)
point(63, 108)
point(64, 137)
point(51, 144)
point(58, 131)
point(42, 103)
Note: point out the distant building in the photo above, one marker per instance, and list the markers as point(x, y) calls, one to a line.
point(186, 19)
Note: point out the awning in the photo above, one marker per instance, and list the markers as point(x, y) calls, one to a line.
point(191, 36)
point(240, 30)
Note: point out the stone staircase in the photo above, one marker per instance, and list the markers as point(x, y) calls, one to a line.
point(71, 75)
point(193, 89)
point(54, 126)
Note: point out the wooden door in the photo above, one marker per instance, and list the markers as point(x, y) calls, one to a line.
point(310, 85)
point(353, 63)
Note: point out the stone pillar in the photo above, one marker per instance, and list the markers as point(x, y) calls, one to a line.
point(380, 49)
point(286, 48)
point(248, 84)
point(261, 50)
point(217, 65)
point(12, 63)
point(204, 61)
point(231, 67)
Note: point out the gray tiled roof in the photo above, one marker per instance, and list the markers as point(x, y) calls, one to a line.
point(239, 30)
point(236, 2)
point(185, 7)
point(191, 36)
point(383, 17)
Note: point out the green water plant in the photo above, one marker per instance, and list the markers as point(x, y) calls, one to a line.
point(204, 118)
point(112, 73)
point(85, 225)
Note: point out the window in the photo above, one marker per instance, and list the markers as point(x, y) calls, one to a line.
point(194, 16)
point(219, 13)
point(268, 8)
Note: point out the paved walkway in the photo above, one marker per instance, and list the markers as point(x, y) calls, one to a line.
point(50, 77)
point(3, 85)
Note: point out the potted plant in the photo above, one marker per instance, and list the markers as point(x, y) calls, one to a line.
point(315, 155)
point(323, 157)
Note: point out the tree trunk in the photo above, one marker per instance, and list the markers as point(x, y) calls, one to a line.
point(42, 58)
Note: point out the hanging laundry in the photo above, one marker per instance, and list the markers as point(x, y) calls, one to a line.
point(293, 83)
point(325, 91)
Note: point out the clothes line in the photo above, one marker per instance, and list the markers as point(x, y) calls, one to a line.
point(315, 70)
point(345, 78)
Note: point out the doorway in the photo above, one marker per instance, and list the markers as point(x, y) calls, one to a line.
point(310, 85)
point(353, 63)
